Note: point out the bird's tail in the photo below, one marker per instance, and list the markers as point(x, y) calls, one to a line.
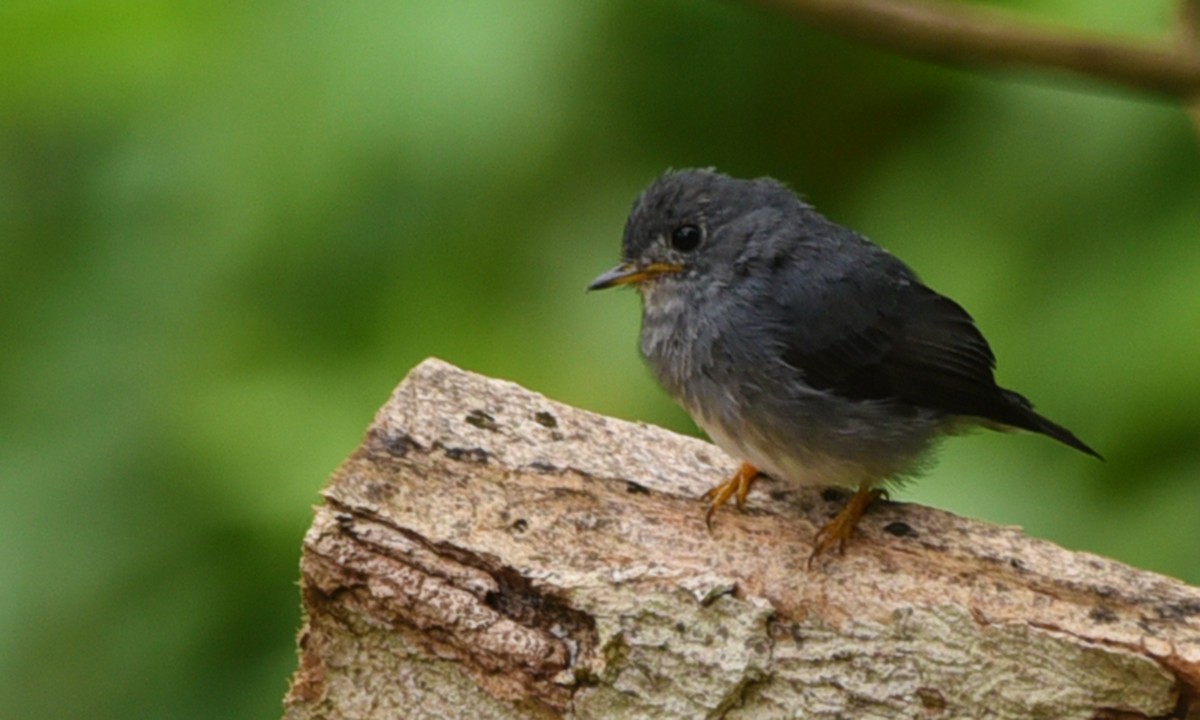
point(1026, 418)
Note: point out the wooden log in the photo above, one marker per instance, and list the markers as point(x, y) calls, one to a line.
point(489, 553)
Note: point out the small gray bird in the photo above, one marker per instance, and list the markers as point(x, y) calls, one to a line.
point(800, 347)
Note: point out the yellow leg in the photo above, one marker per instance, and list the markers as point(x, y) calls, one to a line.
point(737, 487)
point(838, 530)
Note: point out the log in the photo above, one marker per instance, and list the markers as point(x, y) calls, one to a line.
point(489, 553)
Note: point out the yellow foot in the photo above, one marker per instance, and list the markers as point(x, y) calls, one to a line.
point(838, 530)
point(736, 487)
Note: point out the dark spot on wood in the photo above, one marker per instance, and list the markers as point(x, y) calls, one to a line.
point(797, 636)
point(517, 599)
point(931, 700)
point(782, 631)
point(1188, 705)
point(379, 492)
point(704, 458)
point(344, 520)
point(397, 443)
point(1178, 611)
point(635, 488)
point(680, 628)
point(1103, 615)
point(542, 467)
point(478, 455)
point(779, 495)
point(520, 525)
point(834, 494)
point(900, 529)
point(545, 419)
point(1016, 564)
point(482, 420)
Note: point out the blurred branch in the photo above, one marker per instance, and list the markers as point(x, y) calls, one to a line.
point(958, 33)
point(1189, 26)
point(1189, 23)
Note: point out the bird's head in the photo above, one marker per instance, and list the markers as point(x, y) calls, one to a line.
point(693, 224)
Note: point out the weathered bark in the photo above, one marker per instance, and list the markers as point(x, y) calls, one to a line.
point(489, 553)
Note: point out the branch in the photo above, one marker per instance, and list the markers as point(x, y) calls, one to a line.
point(1189, 31)
point(957, 33)
point(487, 552)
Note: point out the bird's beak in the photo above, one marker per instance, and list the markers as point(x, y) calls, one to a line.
point(630, 273)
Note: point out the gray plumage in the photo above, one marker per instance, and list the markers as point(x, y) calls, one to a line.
point(798, 345)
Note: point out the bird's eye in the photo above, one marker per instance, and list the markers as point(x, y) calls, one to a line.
point(685, 238)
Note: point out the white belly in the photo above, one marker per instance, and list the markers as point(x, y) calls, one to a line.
point(792, 465)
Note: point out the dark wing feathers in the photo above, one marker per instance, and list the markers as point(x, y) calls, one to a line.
point(910, 344)
point(899, 340)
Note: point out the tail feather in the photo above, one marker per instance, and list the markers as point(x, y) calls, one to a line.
point(1026, 418)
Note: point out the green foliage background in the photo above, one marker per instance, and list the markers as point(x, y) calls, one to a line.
point(228, 229)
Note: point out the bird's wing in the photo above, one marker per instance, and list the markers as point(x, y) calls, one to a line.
point(878, 333)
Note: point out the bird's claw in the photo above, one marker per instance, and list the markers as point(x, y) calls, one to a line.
point(736, 487)
point(837, 531)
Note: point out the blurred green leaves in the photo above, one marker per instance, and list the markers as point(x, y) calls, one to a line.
point(228, 229)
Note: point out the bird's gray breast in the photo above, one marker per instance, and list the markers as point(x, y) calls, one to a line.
point(683, 341)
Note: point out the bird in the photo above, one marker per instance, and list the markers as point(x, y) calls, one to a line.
point(800, 347)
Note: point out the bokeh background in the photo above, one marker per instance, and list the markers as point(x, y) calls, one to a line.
point(227, 230)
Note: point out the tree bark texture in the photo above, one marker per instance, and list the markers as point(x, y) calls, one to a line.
point(489, 553)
